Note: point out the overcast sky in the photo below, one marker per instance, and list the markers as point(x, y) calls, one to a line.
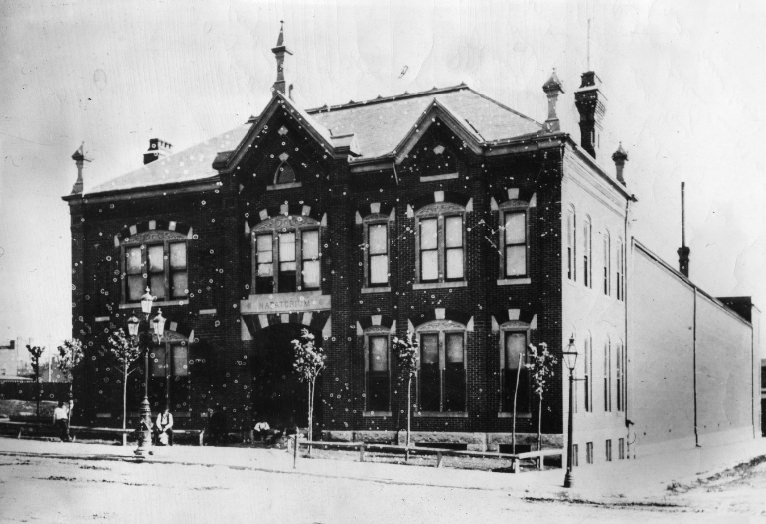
point(684, 82)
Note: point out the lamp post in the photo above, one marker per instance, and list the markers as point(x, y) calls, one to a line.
point(145, 409)
point(570, 359)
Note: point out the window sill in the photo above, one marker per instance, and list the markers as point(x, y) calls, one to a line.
point(442, 414)
point(440, 285)
point(435, 178)
point(160, 303)
point(504, 414)
point(386, 289)
point(276, 187)
point(514, 281)
point(376, 414)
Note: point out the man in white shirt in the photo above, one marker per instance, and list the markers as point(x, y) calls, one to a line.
point(165, 426)
point(61, 421)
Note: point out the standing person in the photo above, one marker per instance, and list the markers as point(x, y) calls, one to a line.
point(61, 421)
point(165, 426)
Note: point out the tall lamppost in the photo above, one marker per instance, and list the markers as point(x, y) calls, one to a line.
point(570, 359)
point(145, 409)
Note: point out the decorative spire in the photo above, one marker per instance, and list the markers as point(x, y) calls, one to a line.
point(552, 87)
point(620, 157)
point(279, 52)
point(80, 157)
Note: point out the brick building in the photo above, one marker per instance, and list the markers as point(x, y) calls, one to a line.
point(444, 213)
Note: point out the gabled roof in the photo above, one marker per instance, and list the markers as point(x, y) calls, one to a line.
point(382, 123)
point(376, 128)
point(189, 165)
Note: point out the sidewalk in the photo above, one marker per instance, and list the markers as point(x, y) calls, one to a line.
point(642, 479)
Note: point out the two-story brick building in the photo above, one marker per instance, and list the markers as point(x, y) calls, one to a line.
point(444, 213)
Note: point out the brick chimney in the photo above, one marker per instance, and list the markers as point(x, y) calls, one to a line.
point(620, 157)
point(280, 50)
point(552, 87)
point(590, 104)
point(157, 149)
point(80, 157)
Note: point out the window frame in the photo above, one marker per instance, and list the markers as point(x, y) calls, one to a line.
point(505, 330)
point(369, 334)
point(441, 212)
point(275, 227)
point(620, 274)
point(368, 225)
point(608, 376)
point(441, 329)
point(513, 208)
point(143, 243)
point(571, 243)
point(607, 263)
point(588, 253)
point(588, 374)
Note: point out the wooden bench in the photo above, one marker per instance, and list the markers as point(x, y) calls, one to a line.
point(38, 428)
point(440, 453)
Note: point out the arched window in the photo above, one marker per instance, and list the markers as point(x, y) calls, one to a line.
point(620, 376)
point(607, 263)
point(620, 280)
point(587, 375)
point(157, 260)
point(587, 255)
point(284, 174)
point(285, 254)
point(571, 237)
point(169, 372)
point(608, 375)
point(442, 374)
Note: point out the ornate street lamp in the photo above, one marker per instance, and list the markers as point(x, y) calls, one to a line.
point(145, 409)
point(570, 360)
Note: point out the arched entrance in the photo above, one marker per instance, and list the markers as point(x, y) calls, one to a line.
point(279, 398)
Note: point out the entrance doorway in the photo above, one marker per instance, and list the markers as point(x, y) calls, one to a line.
point(279, 398)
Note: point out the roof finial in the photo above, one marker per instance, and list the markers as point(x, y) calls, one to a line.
point(80, 157)
point(279, 52)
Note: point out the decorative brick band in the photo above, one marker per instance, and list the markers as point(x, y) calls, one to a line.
point(314, 320)
point(153, 225)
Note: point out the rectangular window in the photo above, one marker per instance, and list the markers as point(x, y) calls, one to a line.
point(619, 277)
point(515, 239)
point(453, 240)
point(587, 254)
point(158, 362)
point(264, 259)
point(162, 267)
point(310, 259)
point(589, 452)
point(608, 376)
point(515, 373)
point(378, 255)
point(575, 456)
point(442, 379)
point(429, 250)
point(607, 263)
point(378, 381)
point(156, 256)
point(609, 450)
point(287, 263)
point(571, 245)
point(454, 373)
point(618, 377)
point(430, 384)
point(134, 269)
point(588, 375)
point(621, 449)
point(180, 360)
point(179, 281)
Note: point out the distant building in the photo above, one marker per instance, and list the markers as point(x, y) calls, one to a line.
point(444, 213)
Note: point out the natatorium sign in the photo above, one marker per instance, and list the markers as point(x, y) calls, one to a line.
point(285, 303)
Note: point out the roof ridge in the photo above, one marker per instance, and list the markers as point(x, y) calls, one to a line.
point(507, 108)
point(380, 99)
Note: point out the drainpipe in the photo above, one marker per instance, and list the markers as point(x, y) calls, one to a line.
point(694, 366)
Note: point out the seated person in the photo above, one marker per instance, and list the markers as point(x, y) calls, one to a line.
point(164, 426)
point(261, 429)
